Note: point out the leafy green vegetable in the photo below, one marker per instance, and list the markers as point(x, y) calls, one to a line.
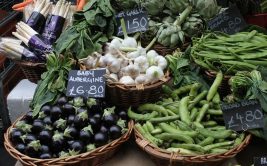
point(91, 29)
point(53, 82)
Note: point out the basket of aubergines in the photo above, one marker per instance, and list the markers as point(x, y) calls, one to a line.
point(74, 131)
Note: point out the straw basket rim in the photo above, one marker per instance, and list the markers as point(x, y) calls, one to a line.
point(64, 160)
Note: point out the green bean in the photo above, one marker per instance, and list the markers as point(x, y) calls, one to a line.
point(201, 137)
point(216, 56)
point(183, 89)
point(197, 140)
point(182, 151)
point(166, 89)
point(216, 134)
point(169, 129)
point(209, 124)
point(149, 126)
point(218, 145)
point(257, 62)
point(147, 135)
point(193, 147)
point(203, 102)
point(183, 110)
point(180, 137)
point(239, 139)
point(218, 150)
point(141, 117)
point(197, 99)
point(217, 128)
point(183, 126)
point(201, 63)
point(216, 99)
point(172, 108)
point(214, 112)
point(241, 64)
point(153, 107)
point(174, 125)
point(164, 119)
point(202, 112)
point(193, 114)
point(214, 87)
point(198, 125)
point(194, 89)
point(156, 131)
point(207, 141)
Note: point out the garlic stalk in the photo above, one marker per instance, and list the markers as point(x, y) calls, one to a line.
point(128, 41)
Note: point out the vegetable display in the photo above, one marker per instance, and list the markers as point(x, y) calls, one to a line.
point(243, 51)
point(188, 122)
point(68, 127)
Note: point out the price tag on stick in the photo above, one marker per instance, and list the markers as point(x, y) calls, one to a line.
point(87, 83)
point(260, 161)
point(229, 21)
point(242, 116)
point(136, 20)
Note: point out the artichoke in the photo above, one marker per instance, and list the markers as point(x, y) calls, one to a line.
point(193, 25)
point(171, 34)
point(177, 6)
point(206, 8)
point(153, 7)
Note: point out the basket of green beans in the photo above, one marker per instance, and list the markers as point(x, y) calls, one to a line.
point(187, 127)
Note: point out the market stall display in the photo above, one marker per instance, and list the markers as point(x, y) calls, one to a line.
point(162, 62)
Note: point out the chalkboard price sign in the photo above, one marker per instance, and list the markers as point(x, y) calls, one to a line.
point(229, 21)
point(73, 2)
point(260, 161)
point(87, 83)
point(136, 20)
point(244, 115)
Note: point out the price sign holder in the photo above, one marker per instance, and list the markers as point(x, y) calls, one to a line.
point(260, 161)
point(136, 20)
point(87, 83)
point(242, 116)
point(73, 2)
point(229, 21)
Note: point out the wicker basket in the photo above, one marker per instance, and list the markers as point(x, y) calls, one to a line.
point(93, 158)
point(162, 157)
point(127, 95)
point(224, 89)
point(32, 71)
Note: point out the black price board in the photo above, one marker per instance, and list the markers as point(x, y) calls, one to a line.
point(229, 21)
point(244, 115)
point(260, 161)
point(73, 2)
point(87, 83)
point(136, 20)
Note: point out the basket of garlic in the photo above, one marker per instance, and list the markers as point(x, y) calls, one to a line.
point(134, 74)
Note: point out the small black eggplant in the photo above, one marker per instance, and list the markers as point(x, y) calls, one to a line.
point(28, 138)
point(80, 110)
point(47, 120)
point(55, 113)
point(58, 142)
point(62, 100)
point(33, 149)
point(45, 156)
point(98, 116)
point(81, 120)
point(123, 115)
point(86, 135)
point(45, 149)
point(109, 117)
point(60, 125)
point(20, 147)
point(23, 126)
point(46, 110)
point(71, 132)
point(68, 109)
point(16, 135)
point(94, 123)
point(94, 105)
point(37, 126)
point(115, 132)
point(100, 139)
point(29, 117)
point(77, 146)
point(104, 129)
point(78, 102)
point(70, 119)
point(45, 137)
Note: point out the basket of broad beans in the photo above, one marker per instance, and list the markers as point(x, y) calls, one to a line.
point(186, 127)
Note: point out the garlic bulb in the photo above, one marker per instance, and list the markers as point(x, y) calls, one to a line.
point(154, 73)
point(151, 55)
point(114, 45)
point(132, 70)
point(89, 63)
point(139, 52)
point(114, 66)
point(141, 79)
point(127, 80)
point(101, 62)
point(161, 62)
point(124, 62)
point(129, 42)
point(114, 77)
point(109, 58)
point(142, 63)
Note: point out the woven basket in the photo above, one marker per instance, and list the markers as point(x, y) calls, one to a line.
point(165, 158)
point(32, 71)
point(224, 88)
point(125, 96)
point(93, 158)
